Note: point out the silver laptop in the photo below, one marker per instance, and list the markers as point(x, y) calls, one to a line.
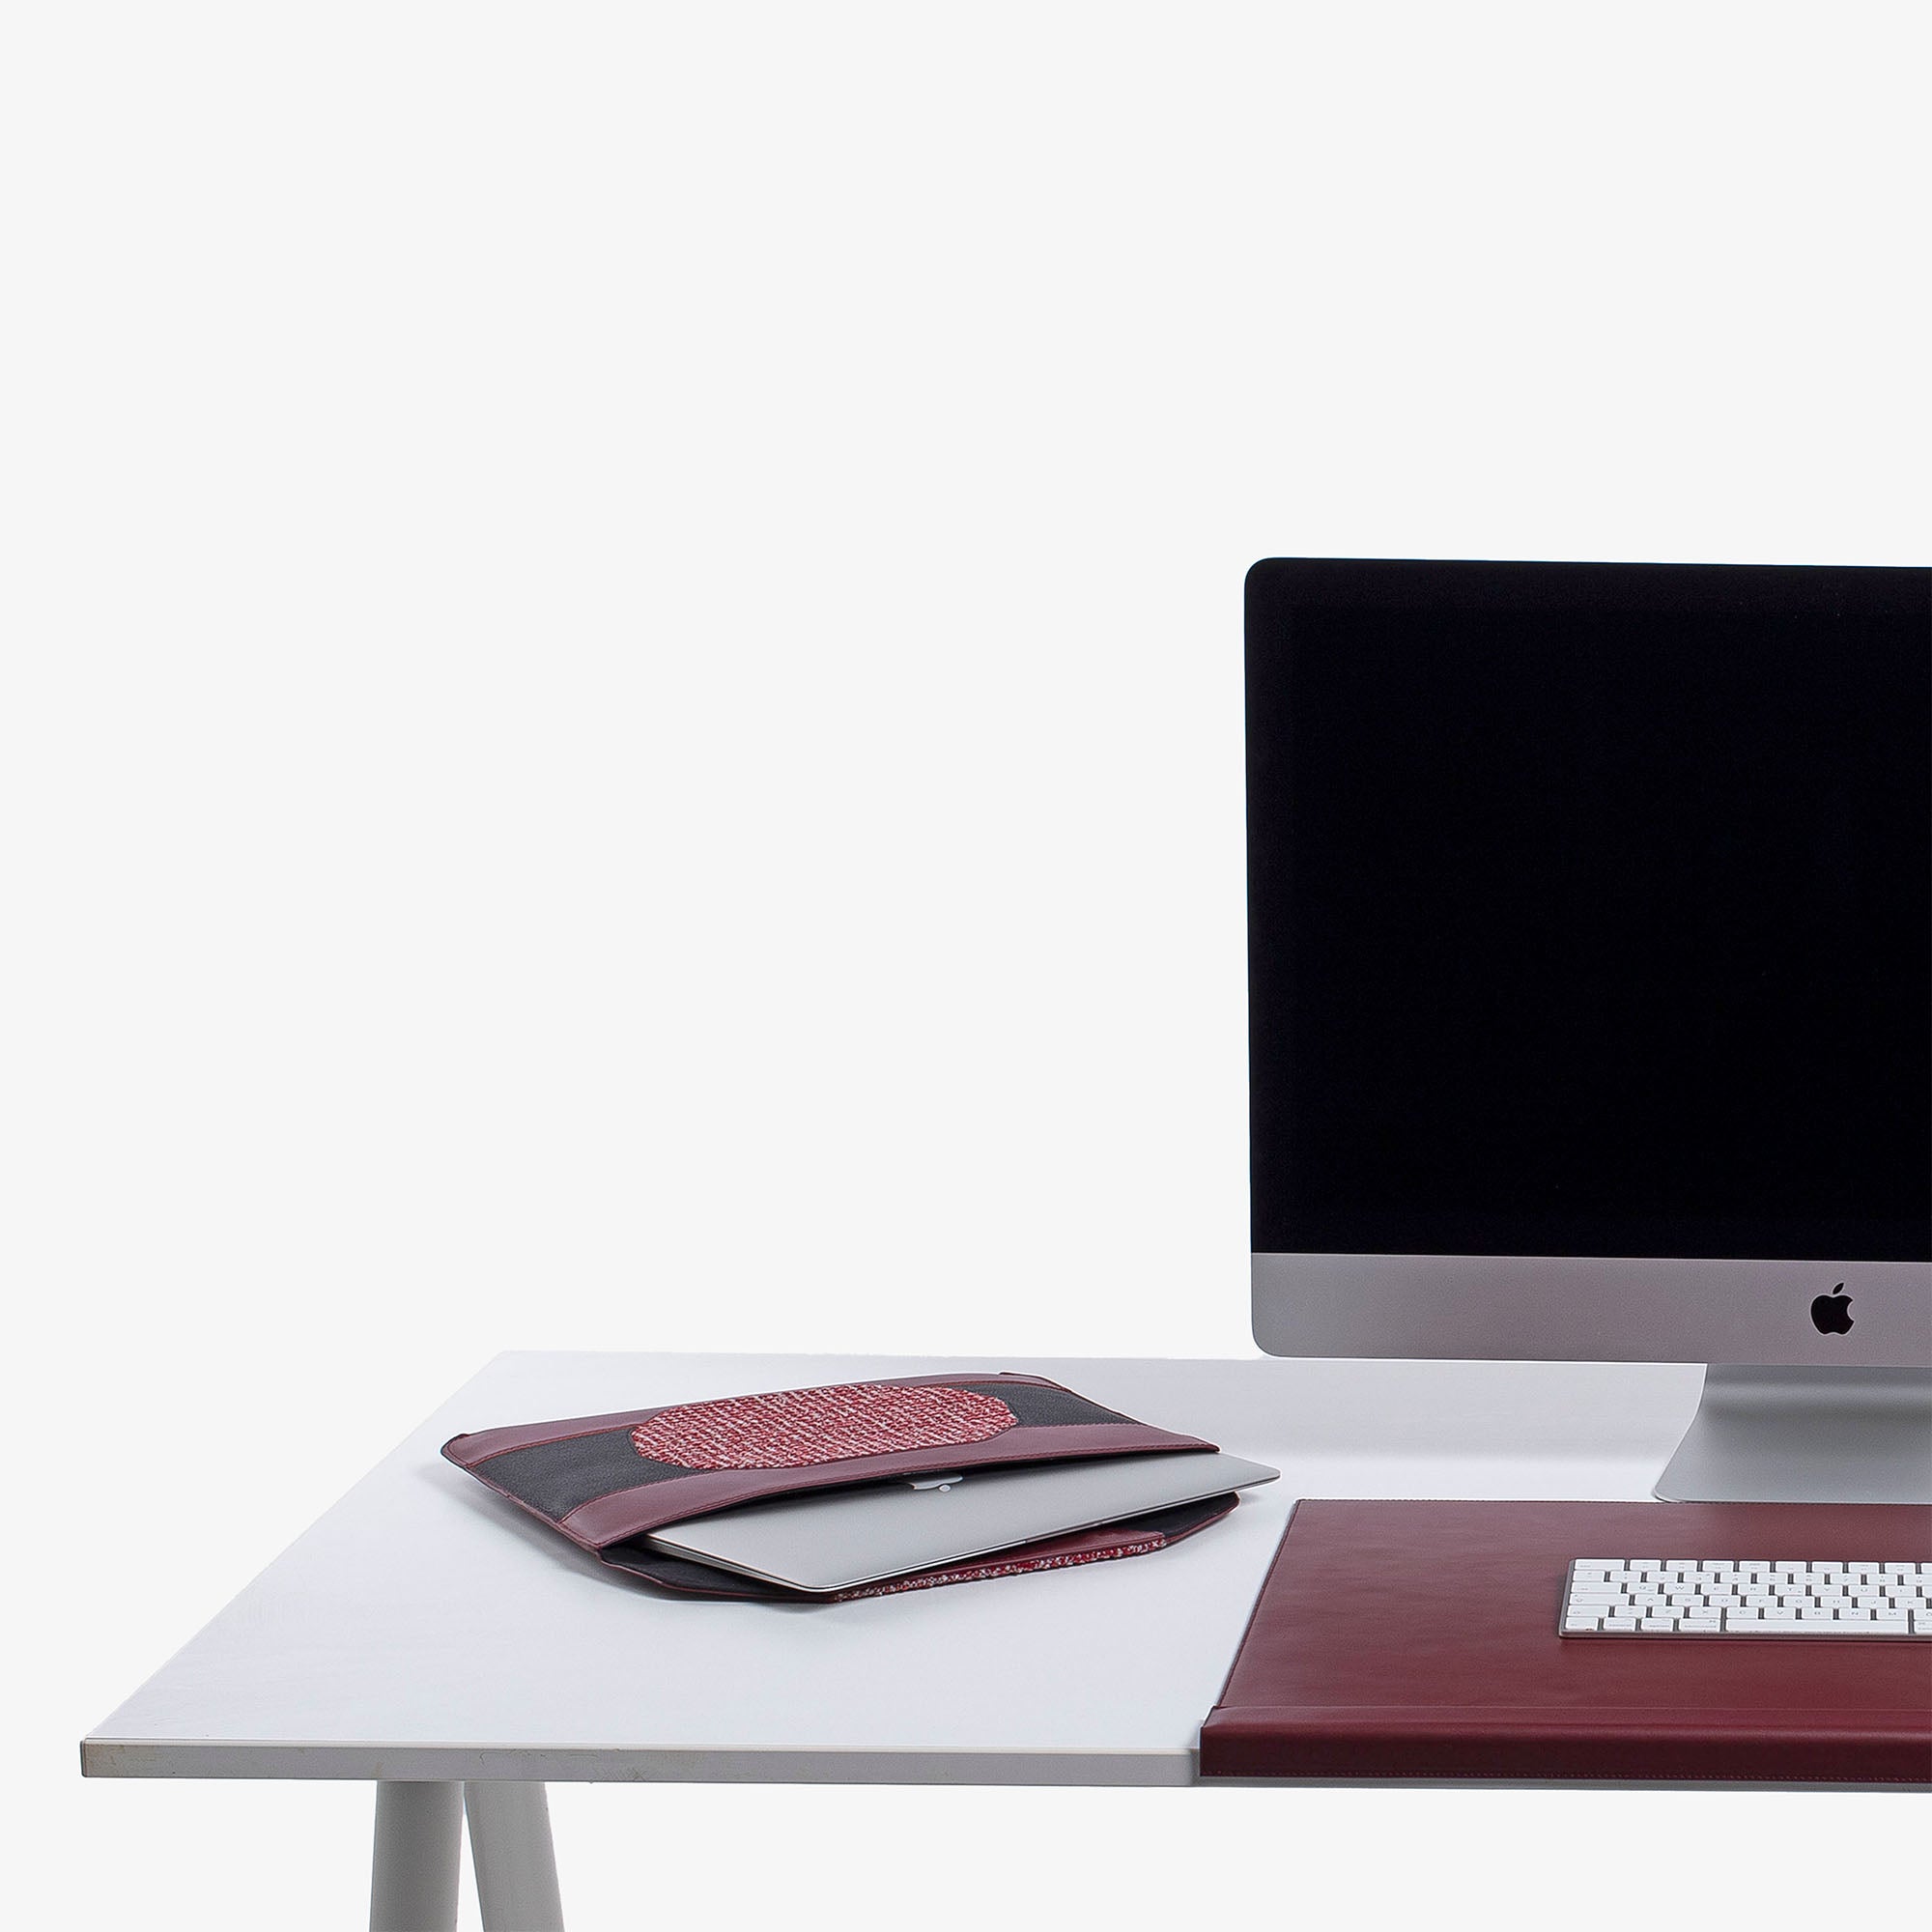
point(837, 1539)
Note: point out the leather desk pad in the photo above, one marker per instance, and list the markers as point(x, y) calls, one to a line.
point(1419, 1641)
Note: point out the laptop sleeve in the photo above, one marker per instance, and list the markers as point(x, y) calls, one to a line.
point(606, 1481)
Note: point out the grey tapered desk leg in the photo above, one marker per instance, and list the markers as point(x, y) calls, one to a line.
point(418, 1847)
point(516, 1864)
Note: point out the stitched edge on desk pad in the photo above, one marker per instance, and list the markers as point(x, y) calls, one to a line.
point(1142, 1536)
point(553, 1479)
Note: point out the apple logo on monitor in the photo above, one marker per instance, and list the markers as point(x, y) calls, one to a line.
point(1831, 1314)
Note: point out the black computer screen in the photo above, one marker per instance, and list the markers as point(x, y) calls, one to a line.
point(1590, 910)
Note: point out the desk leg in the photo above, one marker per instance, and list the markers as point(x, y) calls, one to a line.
point(419, 1846)
point(516, 1864)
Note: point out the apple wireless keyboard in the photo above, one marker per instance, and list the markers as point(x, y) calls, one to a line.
point(1641, 1595)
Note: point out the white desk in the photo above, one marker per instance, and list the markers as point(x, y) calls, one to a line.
point(427, 1636)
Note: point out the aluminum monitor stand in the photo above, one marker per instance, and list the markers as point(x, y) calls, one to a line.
point(1807, 1436)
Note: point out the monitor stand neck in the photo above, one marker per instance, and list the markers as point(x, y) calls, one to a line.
point(1807, 1436)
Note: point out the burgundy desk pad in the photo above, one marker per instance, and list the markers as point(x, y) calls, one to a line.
point(606, 1481)
point(1418, 1640)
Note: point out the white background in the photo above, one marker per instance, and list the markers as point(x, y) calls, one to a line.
point(621, 728)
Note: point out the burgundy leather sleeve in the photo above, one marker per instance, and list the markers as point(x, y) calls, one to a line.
point(604, 1480)
point(1419, 1641)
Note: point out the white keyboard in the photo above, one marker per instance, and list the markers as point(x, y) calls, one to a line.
point(1641, 1595)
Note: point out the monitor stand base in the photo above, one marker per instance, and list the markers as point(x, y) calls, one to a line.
point(1807, 1436)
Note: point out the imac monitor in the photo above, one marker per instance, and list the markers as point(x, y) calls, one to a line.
point(1590, 988)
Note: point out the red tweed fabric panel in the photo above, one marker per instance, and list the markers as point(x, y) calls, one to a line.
point(796, 1428)
point(979, 1573)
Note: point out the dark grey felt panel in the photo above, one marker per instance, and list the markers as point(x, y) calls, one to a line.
point(556, 1477)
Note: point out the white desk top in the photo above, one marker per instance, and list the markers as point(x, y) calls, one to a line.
point(426, 1629)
